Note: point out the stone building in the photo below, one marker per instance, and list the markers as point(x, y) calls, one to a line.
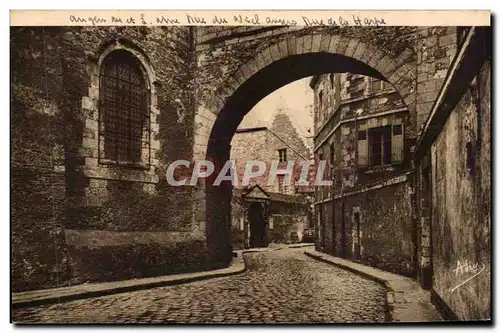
point(412, 195)
point(279, 143)
point(453, 181)
point(365, 132)
point(89, 193)
point(267, 211)
point(260, 217)
point(90, 200)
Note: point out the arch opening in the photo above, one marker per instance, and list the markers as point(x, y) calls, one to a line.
point(236, 106)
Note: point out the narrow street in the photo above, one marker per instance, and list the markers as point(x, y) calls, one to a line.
point(281, 286)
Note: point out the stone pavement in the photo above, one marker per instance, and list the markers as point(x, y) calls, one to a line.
point(57, 295)
point(406, 300)
point(279, 286)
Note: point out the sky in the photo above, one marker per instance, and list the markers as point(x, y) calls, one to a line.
point(295, 98)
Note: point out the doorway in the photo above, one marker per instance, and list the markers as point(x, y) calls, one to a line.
point(258, 237)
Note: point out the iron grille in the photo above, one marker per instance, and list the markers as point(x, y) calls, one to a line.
point(124, 112)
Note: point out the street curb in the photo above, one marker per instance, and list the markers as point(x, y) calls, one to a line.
point(384, 283)
point(262, 251)
point(406, 301)
point(301, 245)
point(235, 268)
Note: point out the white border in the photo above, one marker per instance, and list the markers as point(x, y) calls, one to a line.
point(190, 4)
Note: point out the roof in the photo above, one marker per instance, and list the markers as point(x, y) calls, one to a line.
point(290, 198)
point(278, 197)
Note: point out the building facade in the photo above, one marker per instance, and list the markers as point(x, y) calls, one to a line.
point(453, 182)
point(365, 132)
point(413, 200)
point(90, 197)
point(90, 201)
point(279, 144)
point(267, 210)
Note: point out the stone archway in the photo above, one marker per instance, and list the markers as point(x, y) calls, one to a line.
point(289, 59)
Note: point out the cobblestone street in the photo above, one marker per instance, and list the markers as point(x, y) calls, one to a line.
point(282, 286)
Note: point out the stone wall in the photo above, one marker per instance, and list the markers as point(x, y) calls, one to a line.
point(367, 109)
point(38, 184)
point(285, 214)
point(386, 228)
point(288, 215)
point(435, 47)
point(252, 145)
point(262, 144)
point(386, 237)
point(221, 53)
point(55, 89)
point(228, 59)
point(461, 203)
point(67, 206)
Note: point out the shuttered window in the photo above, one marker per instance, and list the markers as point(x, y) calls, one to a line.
point(397, 143)
point(362, 149)
point(332, 154)
point(381, 146)
point(321, 188)
point(377, 85)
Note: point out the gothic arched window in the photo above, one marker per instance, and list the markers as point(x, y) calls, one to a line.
point(124, 111)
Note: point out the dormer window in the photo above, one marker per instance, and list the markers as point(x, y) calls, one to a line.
point(282, 155)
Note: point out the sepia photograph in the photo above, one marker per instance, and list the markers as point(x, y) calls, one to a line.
point(250, 167)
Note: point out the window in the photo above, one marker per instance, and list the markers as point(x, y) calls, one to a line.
point(282, 155)
point(320, 98)
point(362, 149)
point(320, 189)
point(332, 161)
point(377, 85)
point(397, 143)
point(124, 111)
point(332, 154)
point(332, 80)
point(380, 146)
point(281, 183)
